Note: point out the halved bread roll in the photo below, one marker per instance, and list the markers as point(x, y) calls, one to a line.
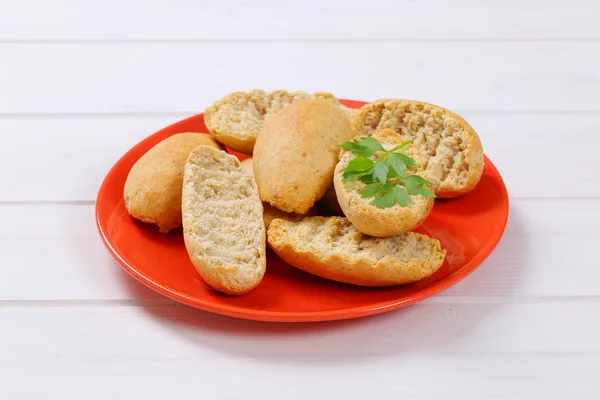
point(152, 191)
point(223, 225)
point(333, 249)
point(365, 216)
point(447, 148)
point(236, 119)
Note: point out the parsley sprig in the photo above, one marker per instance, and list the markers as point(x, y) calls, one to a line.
point(384, 175)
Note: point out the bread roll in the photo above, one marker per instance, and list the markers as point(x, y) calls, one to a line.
point(368, 218)
point(333, 249)
point(222, 221)
point(269, 212)
point(152, 191)
point(296, 153)
point(448, 150)
point(236, 119)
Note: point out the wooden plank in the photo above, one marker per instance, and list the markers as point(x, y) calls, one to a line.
point(324, 19)
point(186, 77)
point(469, 351)
point(423, 329)
point(53, 252)
point(73, 155)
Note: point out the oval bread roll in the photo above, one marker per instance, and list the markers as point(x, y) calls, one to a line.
point(333, 249)
point(223, 228)
point(296, 153)
point(448, 150)
point(152, 190)
point(368, 218)
point(236, 119)
point(269, 212)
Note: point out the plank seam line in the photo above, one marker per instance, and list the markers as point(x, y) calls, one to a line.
point(241, 40)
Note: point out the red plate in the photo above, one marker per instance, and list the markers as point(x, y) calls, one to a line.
point(468, 227)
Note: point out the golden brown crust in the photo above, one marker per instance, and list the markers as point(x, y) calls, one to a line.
point(366, 217)
point(449, 150)
point(296, 153)
point(152, 191)
point(236, 119)
point(333, 249)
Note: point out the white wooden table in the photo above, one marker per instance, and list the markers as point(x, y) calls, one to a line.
point(83, 81)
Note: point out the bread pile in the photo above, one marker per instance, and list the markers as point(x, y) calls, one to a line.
point(231, 210)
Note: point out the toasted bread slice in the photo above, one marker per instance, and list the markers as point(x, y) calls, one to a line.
point(222, 221)
point(448, 150)
point(236, 119)
point(333, 249)
point(368, 218)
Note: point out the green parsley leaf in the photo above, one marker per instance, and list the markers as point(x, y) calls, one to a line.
point(392, 165)
point(350, 175)
point(418, 179)
point(408, 161)
point(351, 147)
point(368, 178)
point(374, 189)
point(392, 174)
point(413, 183)
point(397, 163)
point(360, 164)
point(402, 197)
point(400, 147)
point(385, 201)
point(370, 146)
point(380, 171)
point(365, 147)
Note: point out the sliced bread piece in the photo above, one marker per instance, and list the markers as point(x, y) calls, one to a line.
point(332, 248)
point(368, 218)
point(448, 150)
point(236, 119)
point(152, 191)
point(223, 226)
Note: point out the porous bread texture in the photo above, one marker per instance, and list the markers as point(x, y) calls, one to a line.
point(368, 218)
point(332, 248)
point(152, 191)
point(223, 226)
point(236, 119)
point(448, 150)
